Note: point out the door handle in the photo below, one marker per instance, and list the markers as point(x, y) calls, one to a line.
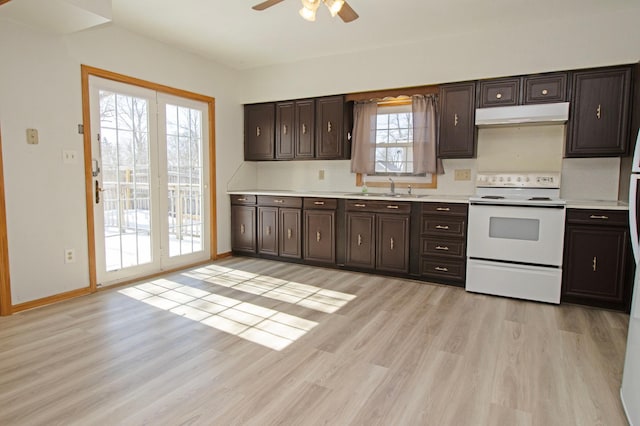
point(98, 191)
point(595, 264)
point(391, 243)
point(318, 236)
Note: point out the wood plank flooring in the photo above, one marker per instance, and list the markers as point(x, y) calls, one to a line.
point(257, 342)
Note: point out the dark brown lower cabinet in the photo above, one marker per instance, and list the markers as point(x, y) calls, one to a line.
point(289, 237)
point(319, 231)
point(378, 235)
point(268, 230)
point(597, 265)
point(243, 228)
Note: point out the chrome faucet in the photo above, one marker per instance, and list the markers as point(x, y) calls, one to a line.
point(393, 186)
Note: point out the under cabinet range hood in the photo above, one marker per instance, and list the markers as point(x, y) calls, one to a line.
point(555, 113)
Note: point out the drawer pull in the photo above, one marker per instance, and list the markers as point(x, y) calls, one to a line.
point(593, 216)
point(278, 201)
point(242, 228)
point(318, 236)
point(360, 205)
point(359, 239)
point(599, 111)
point(441, 269)
point(289, 233)
point(284, 129)
point(268, 230)
point(545, 92)
point(455, 120)
point(595, 263)
point(443, 248)
point(329, 127)
point(391, 243)
point(318, 203)
point(241, 199)
point(304, 129)
point(499, 96)
point(257, 130)
point(445, 227)
point(443, 209)
point(393, 207)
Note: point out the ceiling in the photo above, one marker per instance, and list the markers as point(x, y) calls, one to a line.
point(229, 32)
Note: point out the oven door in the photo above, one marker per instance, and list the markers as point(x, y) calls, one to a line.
point(524, 234)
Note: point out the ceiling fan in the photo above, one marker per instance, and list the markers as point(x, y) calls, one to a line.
point(309, 8)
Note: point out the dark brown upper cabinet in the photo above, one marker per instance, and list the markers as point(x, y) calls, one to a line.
point(599, 118)
point(499, 92)
point(329, 128)
point(457, 121)
point(259, 132)
point(545, 88)
point(294, 129)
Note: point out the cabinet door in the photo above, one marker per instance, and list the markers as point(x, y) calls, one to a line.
point(243, 228)
point(499, 92)
point(392, 251)
point(259, 132)
point(545, 88)
point(305, 129)
point(594, 266)
point(290, 244)
point(329, 128)
point(285, 130)
point(361, 242)
point(457, 121)
point(268, 230)
point(319, 240)
point(598, 125)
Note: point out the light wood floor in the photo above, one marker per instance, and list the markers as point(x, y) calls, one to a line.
point(332, 348)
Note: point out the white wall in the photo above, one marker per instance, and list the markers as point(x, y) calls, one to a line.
point(40, 88)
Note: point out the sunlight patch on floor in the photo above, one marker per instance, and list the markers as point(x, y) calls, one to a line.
point(264, 326)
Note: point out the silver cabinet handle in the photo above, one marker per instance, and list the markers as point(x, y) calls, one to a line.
point(455, 120)
point(278, 201)
point(391, 243)
point(393, 207)
point(257, 130)
point(359, 239)
point(304, 129)
point(241, 199)
point(284, 129)
point(443, 209)
point(441, 269)
point(599, 111)
point(242, 228)
point(268, 230)
point(443, 248)
point(445, 227)
point(598, 217)
point(360, 205)
point(595, 263)
point(318, 236)
point(289, 233)
point(329, 127)
point(318, 203)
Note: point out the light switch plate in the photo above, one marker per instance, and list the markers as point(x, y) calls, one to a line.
point(32, 136)
point(69, 156)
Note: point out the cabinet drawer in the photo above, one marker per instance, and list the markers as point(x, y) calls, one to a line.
point(320, 203)
point(443, 226)
point(442, 247)
point(539, 89)
point(598, 217)
point(267, 200)
point(447, 269)
point(378, 206)
point(243, 199)
point(502, 92)
point(445, 208)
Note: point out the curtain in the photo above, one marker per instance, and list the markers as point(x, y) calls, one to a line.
point(425, 160)
point(363, 152)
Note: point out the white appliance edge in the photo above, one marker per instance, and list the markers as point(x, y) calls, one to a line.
point(630, 389)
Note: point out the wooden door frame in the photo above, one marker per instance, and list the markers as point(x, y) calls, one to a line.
point(86, 72)
point(5, 277)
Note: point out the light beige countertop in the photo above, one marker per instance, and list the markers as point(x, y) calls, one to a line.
point(428, 198)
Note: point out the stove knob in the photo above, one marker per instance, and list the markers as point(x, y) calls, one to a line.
point(509, 179)
point(526, 179)
point(519, 179)
point(501, 178)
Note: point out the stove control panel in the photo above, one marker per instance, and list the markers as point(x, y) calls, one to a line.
point(518, 180)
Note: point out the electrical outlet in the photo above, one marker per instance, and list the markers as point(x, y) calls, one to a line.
point(321, 174)
point(32, 136)
point(69, 156)
point(463, 174)
point(69, 255)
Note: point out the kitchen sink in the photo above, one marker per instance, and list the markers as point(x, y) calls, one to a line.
point(386, 195)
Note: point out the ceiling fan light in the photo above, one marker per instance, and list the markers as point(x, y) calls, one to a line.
point(308, 14)
point(334, 6)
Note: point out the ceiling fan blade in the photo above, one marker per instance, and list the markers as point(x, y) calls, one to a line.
point(347, 13)
point(266, 4)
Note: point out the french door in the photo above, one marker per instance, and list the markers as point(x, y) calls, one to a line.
point(150, 180)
